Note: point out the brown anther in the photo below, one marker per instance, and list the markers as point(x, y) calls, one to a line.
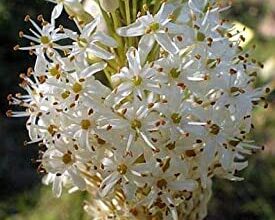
point(9, 113)
point(267, 90)
point(180, 38)
point(150, 105)
point(190, 153)
point(134, 211)
point(109, 127)
point(91, 111)
point(16, 47)
point(27, 18)
point(42, 79)
point(40, 18)
point(100, 141)
point(21, 34)
point(232, 71)
point(214, 129)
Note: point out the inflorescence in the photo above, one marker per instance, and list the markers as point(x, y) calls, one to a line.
point(141, 105)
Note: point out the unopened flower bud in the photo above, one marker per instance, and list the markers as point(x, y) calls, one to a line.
point(109, 5)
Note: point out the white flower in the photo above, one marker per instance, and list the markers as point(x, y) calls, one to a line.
point(62, 162)
point(120, 167)
point(136, 79)
point(154, 28)
point(86, 41)
point(45, 37)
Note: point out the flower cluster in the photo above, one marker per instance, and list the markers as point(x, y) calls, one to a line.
point(144, 112)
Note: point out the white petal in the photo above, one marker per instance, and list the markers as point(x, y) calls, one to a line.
point(57, 186)
point(166, 43)
point(89, 28)
point(91, 70)
point(133, 59)
point(133, 30)
point(105, 39)
point(145, 46)
point(108, 183)
point(56, 12)
point(99, 52)
point(77, 180)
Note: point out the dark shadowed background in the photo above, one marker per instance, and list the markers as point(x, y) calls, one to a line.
point(22, 196)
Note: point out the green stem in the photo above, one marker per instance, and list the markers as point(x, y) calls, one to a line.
point(108, 76)
point(144, 2)
point(153, 54)
point(128, 13)
point(156, 6)
point(128, 20)
point(134, 9)
point(116, 20)
point(122, 11)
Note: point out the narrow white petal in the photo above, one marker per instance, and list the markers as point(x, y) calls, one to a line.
point(133, 30)
point(145, 46)
point(99, 52)
point(166, 43)
point(105, 39)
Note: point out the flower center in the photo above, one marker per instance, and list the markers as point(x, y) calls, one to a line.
point(85, 124)
point(52, 129)
point(162, 183)
point(176, 118)
point(153, 27)
point(77, 87)
point(122, 169)
point(137, 80)
point(45, 40)
point(214, 129)
point(82, 42)
point(54, 71)
point(174, 73)
point(67, 158)
point(136, 124)
point(200, 36)
point(65, 94)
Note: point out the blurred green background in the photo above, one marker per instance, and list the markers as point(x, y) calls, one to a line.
point(22, 197)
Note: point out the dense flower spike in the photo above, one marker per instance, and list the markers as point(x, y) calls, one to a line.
point(144, 113)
